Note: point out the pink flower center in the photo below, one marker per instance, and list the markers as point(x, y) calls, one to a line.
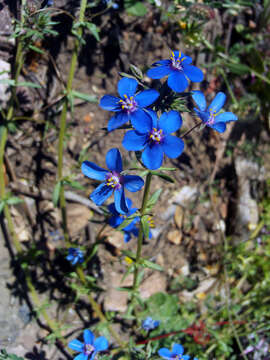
point(114, 180)
point(128, 104)
point(176, 62)
point(88, 349)
point(156, 136)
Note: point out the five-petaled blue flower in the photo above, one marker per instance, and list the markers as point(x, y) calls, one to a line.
point(90, 347)
point(117, 219)
point(150, 324)
point(130, 106)
point(210, 115)
point(179, 70)
point(177, 353)
point(113, 181)
point(75, 256)
point(156, 140)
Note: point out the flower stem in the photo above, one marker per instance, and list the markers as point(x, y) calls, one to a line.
point(140, 240)
point(190, 130)
point(63, 118)
point(96, 308)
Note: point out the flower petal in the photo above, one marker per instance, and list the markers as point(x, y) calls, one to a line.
point(109, 102)
point(114, 160)
point(118, 120)
point(170, 122)
point(159, 72)
point(165, 353)
point(177, 81)
point(193, 73)
point(218, 102)
point(133, 183)
point(199, 99)
point(225, 117)
point(101, 194)
point(184, 58)
point(186, 357)
point(220, 127)
point(101, 344)
point(127, 236)
point(127, 86)
point(76, 345)
point(88, 337)
point(152, 156)
point(134, 141)
point(177, 349)
point(120, 201)
point(141, 120)
point(146, 97)
point(162, 62)
point(115, 221)
point(172, 146)
point(81, 356)
point(93, 171)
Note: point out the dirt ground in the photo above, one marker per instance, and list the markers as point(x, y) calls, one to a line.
point(193, 213)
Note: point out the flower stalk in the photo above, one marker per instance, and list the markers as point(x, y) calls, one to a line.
point(136, 284)
point(63, 119)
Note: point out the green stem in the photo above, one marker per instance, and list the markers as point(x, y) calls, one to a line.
point(97, 310)
point(63, 118)
point(228, 86)
point(4, 134)
point(140, 241)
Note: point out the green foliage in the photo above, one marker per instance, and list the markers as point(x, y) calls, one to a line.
point(135, 8)
point(5, 356)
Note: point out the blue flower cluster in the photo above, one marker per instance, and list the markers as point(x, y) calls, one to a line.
point(75, 256)
point(150, 133)
point(90, 347)
point(150, 324)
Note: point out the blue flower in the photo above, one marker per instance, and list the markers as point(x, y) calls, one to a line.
point(210, 115)
point(156, 139)
point(176, 353)
point(90, 347)
point(113, 181)
point(150, 324)
point(75, 256)
point(129, 106)
point(117, 219)
point(179, 70)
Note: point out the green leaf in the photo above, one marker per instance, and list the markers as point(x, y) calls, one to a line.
point(129, 254)
point(10, 82)
point(74, 184)
point(163, 176)
point(145, 226)
point(86, 97)
point(2, 205)
point(127, 75)
point(136, 71)
point(56, 193)
point(36, 49)
point(126, 222)
point(151, 265)
point(14, 200)
point(94, 30)
point(238, 69)
point(127, 289)
point(138, 9)
point(153, 199)
point(28, 84)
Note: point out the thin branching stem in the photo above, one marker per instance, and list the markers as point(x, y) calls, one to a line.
point(63, 119)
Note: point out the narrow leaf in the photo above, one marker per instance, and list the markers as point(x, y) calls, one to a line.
point(145, 226)
point(163, 176)
point(28, 84)
point(86, 97)
point(151, 265)
point(14, 200)
point(56, 193)
point(153, 199)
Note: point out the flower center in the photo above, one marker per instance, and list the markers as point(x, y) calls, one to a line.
point(156, 136)
point(88, 349)
point(113, 180)
point(176, 63)
point(128, 104)
point(211, 119)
